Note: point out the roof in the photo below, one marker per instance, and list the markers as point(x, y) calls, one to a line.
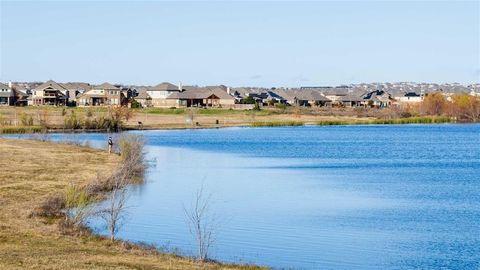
point(77, 86)
point(310, 95)
point(412, 94)
point(350, 97)
point(201, 93)
point(4, 86)
point(106, 86)
point(90, 93)
point(50, 83)
point(164, 86)
point(142, 94)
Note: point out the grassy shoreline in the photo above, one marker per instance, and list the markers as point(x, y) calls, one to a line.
point(30, 241)
point(266, 123)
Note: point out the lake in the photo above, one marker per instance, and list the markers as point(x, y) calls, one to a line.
point(335, 197)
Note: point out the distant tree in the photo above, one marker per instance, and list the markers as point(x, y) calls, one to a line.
point(256, 107)
point(465, 107)
point(248, 100)
point(434, 104)
point(135, 104)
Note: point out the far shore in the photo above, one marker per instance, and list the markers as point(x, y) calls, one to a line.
point(55, 119)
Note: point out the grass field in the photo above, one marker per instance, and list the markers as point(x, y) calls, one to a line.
point(32, 172)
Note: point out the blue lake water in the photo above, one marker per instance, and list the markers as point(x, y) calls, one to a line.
point(336, 197)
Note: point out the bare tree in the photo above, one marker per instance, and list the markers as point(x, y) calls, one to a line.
point(202, 223)
point(113, 212)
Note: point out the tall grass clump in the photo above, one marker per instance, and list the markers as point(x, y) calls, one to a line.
point(20, 130)
point(394, 121)
point(72, 121)
point(277, 124)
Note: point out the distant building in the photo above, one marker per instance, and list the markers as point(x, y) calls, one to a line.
point(105, 94)
point(210, 96)
point(377, 98)
point(49, 93)
point(143, 98)
point(7, 97)
point(160, 92)
point(411, 97)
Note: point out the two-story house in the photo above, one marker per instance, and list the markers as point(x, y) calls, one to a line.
point(49, 93)
point(105, 94)
point(7, 96)
point(160, 92)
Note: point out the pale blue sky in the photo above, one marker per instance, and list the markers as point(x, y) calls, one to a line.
point(240, 43)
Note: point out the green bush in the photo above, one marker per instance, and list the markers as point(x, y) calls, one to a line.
point(135, 104)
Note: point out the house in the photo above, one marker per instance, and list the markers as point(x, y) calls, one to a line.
point(377, 99)
point(143, 98)
point(74, 89)
point(211, 96)
point(410, 97)
point(49, 93)
point(7, 97)
point(160, 92)
point(310, 98)
point(102, 95)
point(350, 100)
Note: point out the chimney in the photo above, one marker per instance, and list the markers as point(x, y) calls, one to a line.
point(10, 84)
point(180, 86)
point(229, 90)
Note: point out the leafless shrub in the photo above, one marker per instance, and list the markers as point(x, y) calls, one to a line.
point(202, 224)
point(132, 152)
point(50, 208)
point(113, 211)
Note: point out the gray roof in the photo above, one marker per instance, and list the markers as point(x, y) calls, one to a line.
point(350, 97)
point(142, 94)
point(4, 86)
point(201, 93)
point(106, 86)
point(165, 86)
point(77, 86)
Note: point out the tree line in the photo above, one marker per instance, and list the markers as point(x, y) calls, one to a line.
point(462, 107)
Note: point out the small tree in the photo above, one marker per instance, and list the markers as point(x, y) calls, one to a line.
point(202, 223)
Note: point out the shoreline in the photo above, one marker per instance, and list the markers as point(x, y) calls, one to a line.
point(35, 225)
point(424, 120)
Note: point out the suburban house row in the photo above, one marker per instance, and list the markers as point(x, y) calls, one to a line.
point(168, 95)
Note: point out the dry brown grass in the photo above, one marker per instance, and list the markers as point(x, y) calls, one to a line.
point(34, 171)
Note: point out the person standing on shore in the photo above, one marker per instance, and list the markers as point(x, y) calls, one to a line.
point(110, 145)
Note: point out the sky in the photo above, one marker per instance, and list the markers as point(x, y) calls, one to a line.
point(268, 44)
